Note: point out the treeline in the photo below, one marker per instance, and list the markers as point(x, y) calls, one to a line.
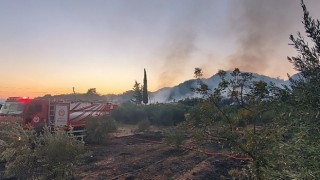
point(156, 114)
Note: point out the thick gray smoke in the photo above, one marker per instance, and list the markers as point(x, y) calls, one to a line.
point(181, 48)
point(260, 27)
point(259, 30)
point(181, 42)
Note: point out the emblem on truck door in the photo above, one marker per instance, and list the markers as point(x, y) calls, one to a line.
point(61, 112)
point(36, 119)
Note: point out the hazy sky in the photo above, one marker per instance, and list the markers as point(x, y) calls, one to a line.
point(50, 46)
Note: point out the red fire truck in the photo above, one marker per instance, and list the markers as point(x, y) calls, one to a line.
point(66, 115)
point(37, 113)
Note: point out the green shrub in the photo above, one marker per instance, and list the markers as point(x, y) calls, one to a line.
point(175, 136)
point(16, 151)
point(143, 125)
point(60, 153)
point(129, 114)
point(98, 128)
point(45, 156)
point(166, 114)
point(157, 114)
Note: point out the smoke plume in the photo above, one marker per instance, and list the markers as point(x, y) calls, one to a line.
point(260, 27)
point(181, 43)
point(181, 48)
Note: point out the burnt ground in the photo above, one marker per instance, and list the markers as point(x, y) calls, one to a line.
point(143, 156)
point(147, 157)
point(2, 168)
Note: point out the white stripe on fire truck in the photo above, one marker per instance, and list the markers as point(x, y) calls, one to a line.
point(88, 113)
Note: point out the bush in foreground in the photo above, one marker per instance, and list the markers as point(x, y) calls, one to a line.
point(46, 156)
point(98, 128)
point(143, 125)
point(175, 136)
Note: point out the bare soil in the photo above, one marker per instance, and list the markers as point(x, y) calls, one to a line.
point(128, 156)
point(146, 156)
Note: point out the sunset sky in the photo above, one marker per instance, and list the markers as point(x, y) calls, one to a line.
point(50, 46)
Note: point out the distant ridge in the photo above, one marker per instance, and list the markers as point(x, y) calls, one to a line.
point(183, 90)
point(168, 94)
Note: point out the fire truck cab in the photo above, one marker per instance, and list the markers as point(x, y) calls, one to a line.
point(12, 109)
point(14, 106)
point(35, 114)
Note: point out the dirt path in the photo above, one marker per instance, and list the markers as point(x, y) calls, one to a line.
point(147, 157)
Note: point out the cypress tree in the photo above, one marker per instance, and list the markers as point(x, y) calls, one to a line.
point(145, 88)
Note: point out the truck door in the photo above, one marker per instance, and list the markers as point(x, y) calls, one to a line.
point(35, 114)
point(61, 114)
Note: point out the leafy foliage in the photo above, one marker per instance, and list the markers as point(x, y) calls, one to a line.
point(129, 113)
point(157, 114)
point(302, 109)
point(175, 136)
point(143, 125)
point(137, 96)
point(46, 156)
point(92, 91)
point(98, 128)
point(243, 124)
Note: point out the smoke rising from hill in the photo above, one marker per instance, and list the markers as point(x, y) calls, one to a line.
point(260, 27)
point(181, 43)
point(256, 30)
point(180, 50)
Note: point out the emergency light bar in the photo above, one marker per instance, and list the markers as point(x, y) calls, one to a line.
point(17, 99)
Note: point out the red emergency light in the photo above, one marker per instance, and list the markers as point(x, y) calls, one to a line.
point(24, 99)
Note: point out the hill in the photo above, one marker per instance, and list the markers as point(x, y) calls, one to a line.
point(182, 91)
point(166, 94)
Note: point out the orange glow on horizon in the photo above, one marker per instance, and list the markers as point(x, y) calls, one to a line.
point(33, 89)
point(32, 92)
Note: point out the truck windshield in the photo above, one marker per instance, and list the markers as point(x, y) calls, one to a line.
point(12, 108)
